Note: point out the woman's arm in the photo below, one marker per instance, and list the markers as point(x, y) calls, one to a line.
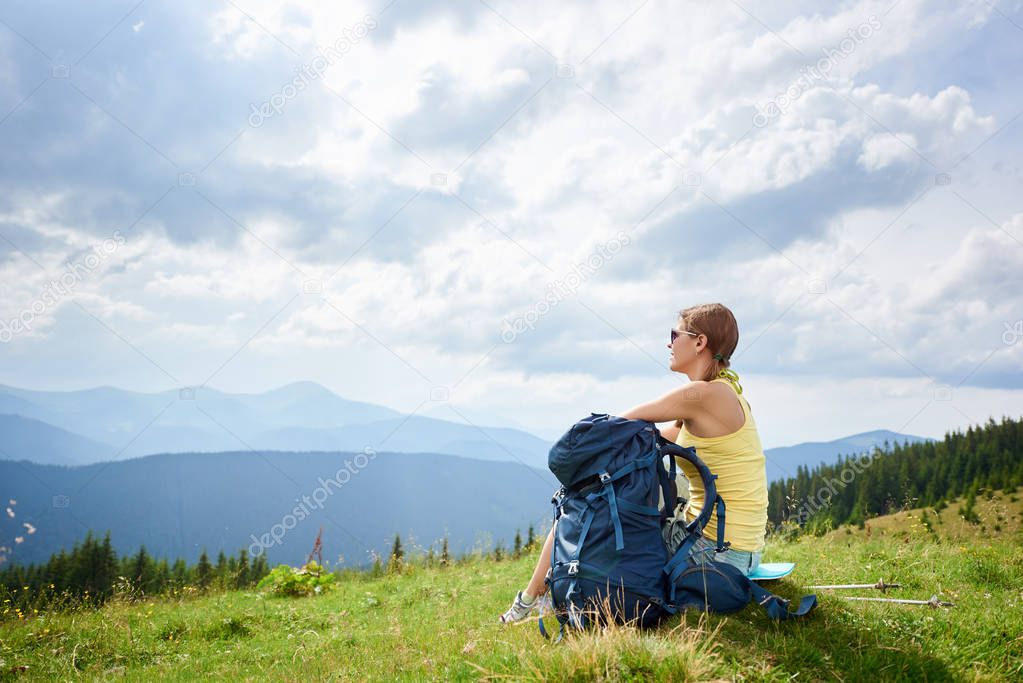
point(671, 433)
point(683, 402)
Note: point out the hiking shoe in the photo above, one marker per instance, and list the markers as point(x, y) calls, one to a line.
point(519, 610)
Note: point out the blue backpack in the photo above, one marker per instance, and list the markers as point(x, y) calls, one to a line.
point(608, 559)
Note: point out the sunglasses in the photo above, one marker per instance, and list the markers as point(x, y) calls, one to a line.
point(675, 333)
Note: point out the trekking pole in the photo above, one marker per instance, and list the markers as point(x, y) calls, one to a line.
point(933, 602)
point(880, 585)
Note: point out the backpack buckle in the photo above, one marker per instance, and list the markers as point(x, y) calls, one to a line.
point(573, 567)
point(775, 599)
point(605, 478)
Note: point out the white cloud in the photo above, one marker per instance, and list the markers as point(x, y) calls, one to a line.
point(656, 120)
point(883, 150)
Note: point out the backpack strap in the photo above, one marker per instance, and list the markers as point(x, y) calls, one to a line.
point(608, 491)
point(777, 607)
point(722, 543)
point(710, 491)
point(633, 465)
point(543, 630)
point(669, 490)
point(587, 521)
point(679, 562)
point(612, 502)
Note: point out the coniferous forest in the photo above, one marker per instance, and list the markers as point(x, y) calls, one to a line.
point(91, 572)
point(901, 476)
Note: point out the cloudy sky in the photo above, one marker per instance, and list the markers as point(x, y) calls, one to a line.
point(493, 211)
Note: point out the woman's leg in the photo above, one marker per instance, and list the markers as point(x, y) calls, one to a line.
point(525, 600)
point(537, 585)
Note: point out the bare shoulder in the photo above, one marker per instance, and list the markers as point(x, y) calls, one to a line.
point(691, 399)
point(702, 397)
point(697, 390)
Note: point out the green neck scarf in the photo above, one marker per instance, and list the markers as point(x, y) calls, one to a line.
point(732, 377)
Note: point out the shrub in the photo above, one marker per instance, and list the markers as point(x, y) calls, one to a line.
point(288, 581)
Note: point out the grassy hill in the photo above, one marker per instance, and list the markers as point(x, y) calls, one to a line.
point(995, 513)
point(440, 623)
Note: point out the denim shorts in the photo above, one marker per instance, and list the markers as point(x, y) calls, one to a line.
point(674, 533)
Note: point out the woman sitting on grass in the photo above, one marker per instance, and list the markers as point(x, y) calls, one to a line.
point(709, 417)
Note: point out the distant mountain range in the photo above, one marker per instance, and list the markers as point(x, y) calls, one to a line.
point(178, 504)
point(783, 461)
point(100, 424)
point(25, 438)
point(231, 465)
point(95, 425)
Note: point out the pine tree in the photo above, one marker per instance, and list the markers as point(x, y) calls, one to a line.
point(204, 571)
point(161, 576)
point(445, 556)
point(259, 568)
point(221, 569)
point(243, 578)
point(179, 573)
point(967, 511)
point(140, 570)
point(107, 571)
point(397, 556)
point(517, 547)
point(530, 537)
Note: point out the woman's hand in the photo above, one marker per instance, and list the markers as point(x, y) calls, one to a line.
point(671, 433)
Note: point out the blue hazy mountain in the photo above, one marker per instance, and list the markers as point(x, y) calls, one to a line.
point(47, 444)
point(296, 417)
point(115, 416)
point(415, 433)
point(178, 504)
point(302, 416)
point(783, 461)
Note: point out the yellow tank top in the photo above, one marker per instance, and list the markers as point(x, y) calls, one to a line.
point(738, 461)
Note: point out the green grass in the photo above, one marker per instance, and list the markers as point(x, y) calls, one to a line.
point(440, 624)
